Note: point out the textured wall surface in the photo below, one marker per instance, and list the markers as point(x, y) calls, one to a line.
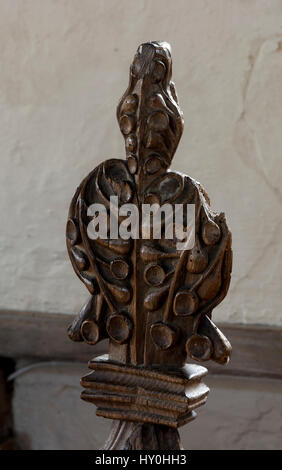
point(64, 66)
point(241, 413)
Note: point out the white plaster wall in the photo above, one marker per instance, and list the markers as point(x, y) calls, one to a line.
point(63, 67)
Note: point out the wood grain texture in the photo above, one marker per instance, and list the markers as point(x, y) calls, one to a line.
point(150, 295)
point(133, 436)
point(41, 336)
point(145, 395)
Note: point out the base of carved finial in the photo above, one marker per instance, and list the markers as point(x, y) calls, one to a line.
point(144, 395)
point(125, 435)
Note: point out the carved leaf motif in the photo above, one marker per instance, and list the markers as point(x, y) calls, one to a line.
point(152, 300)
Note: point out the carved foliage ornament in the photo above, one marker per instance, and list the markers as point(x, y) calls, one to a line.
point(152, 301)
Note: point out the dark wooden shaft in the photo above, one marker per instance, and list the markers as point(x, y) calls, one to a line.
point(125, 435)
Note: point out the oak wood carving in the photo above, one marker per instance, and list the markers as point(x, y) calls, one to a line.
point(153, 301)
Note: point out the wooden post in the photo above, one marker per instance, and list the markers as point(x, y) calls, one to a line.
point(152, 299)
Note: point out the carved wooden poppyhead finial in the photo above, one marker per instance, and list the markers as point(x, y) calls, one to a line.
point(148, 113)
point(151, 299)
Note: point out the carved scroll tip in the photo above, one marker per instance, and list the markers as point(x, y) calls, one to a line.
point(74, 334)
point(160, 44)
